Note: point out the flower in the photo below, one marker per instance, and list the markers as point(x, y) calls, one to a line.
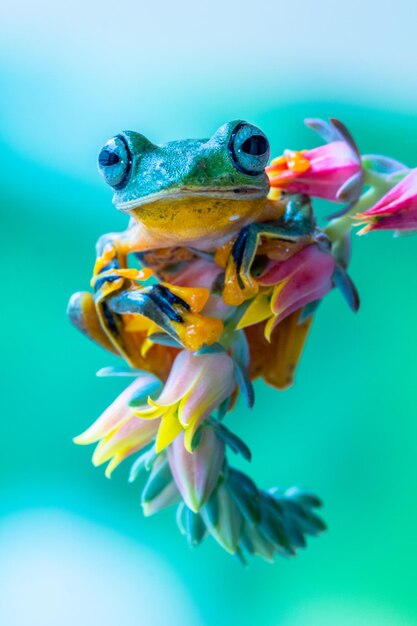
point(196, 386)
point(276, 360)
point(396, 210)
point(332, 171)
point(118, 430)
point(160, 490)
point(196, 474)
point(289, 286)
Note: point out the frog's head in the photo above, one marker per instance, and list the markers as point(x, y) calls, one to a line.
point(149, 180)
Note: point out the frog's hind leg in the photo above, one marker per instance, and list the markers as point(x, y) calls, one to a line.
point(82, 313)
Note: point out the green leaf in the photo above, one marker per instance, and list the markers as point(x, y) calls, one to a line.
point(245, 385)
point(159, 479)
point(345, 284)
point(142, 463)
point(195, 528)
point(211, 509)
point(246, 498)
point(215, 348)
point(180, 517)
point(223, 408)
point(234, 442)
point(272, 525)
point(240, 349)
point(120, 370)
point(308, 311)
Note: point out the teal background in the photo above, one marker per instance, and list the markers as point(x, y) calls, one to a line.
point(75, 548)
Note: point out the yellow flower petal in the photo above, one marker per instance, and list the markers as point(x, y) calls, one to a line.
point(169, 429)
point(189, 435)
point(258, 310)
point(153, 411)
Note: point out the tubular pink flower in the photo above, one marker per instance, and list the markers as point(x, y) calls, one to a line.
point(115, 414)
point(397, 210)
point(160, 490)
point(119, 432)
point(303, 278)
point(196, 386)
point(226, 530)
point(332, 171)
point(196, 474)
point(169, 496)
point(133, 435)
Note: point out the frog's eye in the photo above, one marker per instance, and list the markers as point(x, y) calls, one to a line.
point(114, 161)
point(249, 149)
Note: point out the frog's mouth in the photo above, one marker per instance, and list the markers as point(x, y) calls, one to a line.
point(227, 193)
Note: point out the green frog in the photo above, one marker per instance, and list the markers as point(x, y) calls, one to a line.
point(195, 197)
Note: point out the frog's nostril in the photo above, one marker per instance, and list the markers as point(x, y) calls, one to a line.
point(107, 157)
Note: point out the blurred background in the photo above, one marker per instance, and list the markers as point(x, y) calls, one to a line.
point(75, 547)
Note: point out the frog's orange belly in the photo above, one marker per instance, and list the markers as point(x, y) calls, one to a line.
point(197, 221)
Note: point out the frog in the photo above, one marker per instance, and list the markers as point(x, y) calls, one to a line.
point(193, 195)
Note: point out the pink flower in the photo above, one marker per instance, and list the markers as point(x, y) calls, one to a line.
point(332, 171)
point(197, 473)
point(397, 210)
point(305, 277)
point(196, 386)
point(118, 430)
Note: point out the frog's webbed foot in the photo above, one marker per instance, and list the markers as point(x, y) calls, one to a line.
point(174, 310)
point(296, 226)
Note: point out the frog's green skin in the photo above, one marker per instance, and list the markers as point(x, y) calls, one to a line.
point(192, 193)
point(196, 194)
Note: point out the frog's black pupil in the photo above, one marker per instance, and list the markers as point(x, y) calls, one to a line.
point(107, 158)
point(255, 145)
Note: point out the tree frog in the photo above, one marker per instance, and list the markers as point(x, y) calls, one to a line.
point(198, 195)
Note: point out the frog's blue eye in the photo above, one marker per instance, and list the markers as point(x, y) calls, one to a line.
point(249, 149)
point(114, 162)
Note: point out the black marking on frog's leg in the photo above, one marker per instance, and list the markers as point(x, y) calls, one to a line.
point(105, 273)
point(82, 313)
point(157, 303)
point(105, 279)
point(110, 318)
point(166, 300)
point(239, 247)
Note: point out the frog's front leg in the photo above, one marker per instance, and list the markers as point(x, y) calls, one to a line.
point(111, 267)
point(296, 226)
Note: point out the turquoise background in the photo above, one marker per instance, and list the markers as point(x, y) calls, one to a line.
point(75, 548)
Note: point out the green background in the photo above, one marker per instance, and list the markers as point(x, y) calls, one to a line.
point(75, 547)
